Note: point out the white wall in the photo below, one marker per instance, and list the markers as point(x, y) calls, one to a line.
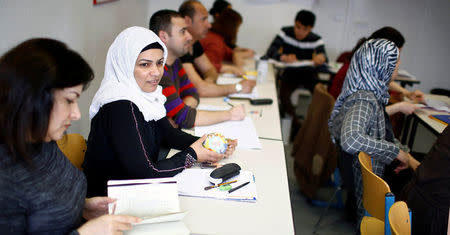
point(87, 29)
point(91, 29)
point(341, 23)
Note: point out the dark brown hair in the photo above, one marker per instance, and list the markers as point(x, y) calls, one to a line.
point(29, 74)
point(227, 25)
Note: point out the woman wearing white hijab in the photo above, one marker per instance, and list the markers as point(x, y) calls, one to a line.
point(128, 118)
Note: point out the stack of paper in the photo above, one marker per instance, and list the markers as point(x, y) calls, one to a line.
point(244, 131)
point(437, 104)
point(192, 182)
point(300, 63)
point(153, 200)
point(224, 80)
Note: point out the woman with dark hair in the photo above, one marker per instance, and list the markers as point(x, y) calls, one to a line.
point(128, 118)
point(40, 190)
point(218, 7)
point(394, 36)
point(224, 32)
point(359, 121)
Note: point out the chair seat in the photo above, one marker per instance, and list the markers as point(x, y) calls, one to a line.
point(371, 225)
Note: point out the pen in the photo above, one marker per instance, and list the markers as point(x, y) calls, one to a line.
point(238, 187)
point(215, 186)
point(227, 100)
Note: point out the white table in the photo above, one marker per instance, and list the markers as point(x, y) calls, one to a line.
point(271, 213)
point(422, 116)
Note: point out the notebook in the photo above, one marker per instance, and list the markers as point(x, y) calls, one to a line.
point(153, 200)
point(444, 119)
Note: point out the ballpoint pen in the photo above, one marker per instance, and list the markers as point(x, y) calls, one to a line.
point(227, 100)
point(238, 187)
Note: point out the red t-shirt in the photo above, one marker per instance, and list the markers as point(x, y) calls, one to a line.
point(338, 80)
point(216, 50)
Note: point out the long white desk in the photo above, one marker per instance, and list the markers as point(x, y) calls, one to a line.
point(267, 118)
point(271, 213)
point(422, 116)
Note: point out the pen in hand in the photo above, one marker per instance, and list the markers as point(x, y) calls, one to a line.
point(238, 187)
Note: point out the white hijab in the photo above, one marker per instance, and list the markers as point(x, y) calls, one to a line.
point(119, 83)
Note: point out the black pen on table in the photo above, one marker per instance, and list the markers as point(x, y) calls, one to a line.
point(227, 100)
point(238, 187)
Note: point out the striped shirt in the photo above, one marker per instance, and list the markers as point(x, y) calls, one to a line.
point(286, 43)
point(176, 86)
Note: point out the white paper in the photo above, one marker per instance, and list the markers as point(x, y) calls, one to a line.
point(300, 63)
point(192, 182)
point(168, 228)
point(244, 131)
point(145, 197)
point(222, 80)
point(438, 105)
point(208, 107)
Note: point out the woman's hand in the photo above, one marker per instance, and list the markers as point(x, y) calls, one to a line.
point(416, 96)
point(247, 85)
point(96, 206)
point(403, 157)
point(404, 107)
point(108, 224)
point(237, 113)
point(203, 154)
point(413, 163)
point(231, 147)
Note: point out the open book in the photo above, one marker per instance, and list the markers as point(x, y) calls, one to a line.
point(153, 200)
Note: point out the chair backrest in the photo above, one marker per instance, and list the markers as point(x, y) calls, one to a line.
point(374, 189)
point(399, 219)
point(74, 147)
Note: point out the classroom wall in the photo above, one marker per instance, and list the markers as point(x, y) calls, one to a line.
point(91, 29)
point(87, 29)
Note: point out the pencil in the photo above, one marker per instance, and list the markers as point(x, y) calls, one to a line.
point(215, 186)
point(238, 187)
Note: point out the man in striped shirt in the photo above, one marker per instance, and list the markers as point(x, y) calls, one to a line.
point(293, 44)
point(182, 97)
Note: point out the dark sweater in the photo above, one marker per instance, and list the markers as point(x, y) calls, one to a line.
point(286, 43)
point(122, 145)
point(46, 199)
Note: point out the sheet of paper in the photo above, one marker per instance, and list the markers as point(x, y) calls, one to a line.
point(192, 182)
point(168, 228)
point(244, 131)
point(144, 197)
point(208, 107)
point(437, 104)
point(300, 63)
point(223, 80)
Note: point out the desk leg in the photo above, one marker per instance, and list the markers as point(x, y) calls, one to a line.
point(406, 128)
point(412, 135)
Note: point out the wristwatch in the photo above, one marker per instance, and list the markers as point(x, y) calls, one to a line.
point(238, 87)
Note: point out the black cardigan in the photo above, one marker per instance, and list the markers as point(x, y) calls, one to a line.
point(122, 145)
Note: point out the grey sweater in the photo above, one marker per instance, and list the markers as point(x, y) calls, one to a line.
point(46, 199)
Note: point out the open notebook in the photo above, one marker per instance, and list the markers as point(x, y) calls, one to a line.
point(153, 200)
point(192, 183)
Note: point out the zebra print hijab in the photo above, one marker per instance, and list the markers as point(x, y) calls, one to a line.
point(371, 69)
